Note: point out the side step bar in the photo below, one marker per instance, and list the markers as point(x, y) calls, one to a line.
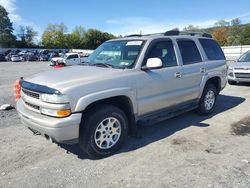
point(164, 115)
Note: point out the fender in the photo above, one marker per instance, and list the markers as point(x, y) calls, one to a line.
point(86, 100)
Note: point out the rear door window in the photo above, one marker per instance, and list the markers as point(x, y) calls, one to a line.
point(212, 49)
point(189, 51)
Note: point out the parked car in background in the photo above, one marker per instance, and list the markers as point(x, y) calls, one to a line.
point(53, 55)
point(30, 56)
point(240, 70)
point(68, 59)
point(15, 58)
point(44, 55)
point(9, 55)
point(2, 57)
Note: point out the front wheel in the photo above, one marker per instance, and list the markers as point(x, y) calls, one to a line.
point(104, 131)
point(207, 100)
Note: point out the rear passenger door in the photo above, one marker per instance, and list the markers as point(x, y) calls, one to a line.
point(193, 68)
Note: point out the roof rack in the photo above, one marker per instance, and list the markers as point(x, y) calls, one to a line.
point(176, 32)
point(140, 35)
point(134, 35)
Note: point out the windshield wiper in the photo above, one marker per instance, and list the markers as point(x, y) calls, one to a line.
point(103, 65)
point(84, 63)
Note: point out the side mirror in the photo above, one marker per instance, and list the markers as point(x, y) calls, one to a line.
point(153, 63)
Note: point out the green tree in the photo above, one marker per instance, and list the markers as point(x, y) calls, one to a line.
point(30, 35)
point(93, 38)
point(234, 35)
point(54, 36)
point(76, 38)
point(27, 36)
point(7, 39)
point(245, 36)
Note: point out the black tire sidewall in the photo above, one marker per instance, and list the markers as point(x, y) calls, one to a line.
point(93, 121)
point(202, 109)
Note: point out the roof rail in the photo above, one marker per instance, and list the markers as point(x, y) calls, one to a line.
point(176, 32)
point(134, 35)
point(140, 35)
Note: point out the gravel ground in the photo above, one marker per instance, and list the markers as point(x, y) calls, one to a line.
point(186, 151)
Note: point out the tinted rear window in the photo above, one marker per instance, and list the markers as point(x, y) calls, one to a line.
point(189, 52)
point(212, 49)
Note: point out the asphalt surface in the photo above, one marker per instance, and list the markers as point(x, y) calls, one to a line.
point(186, 151)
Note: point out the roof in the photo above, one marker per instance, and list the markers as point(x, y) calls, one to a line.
point(72, 53)
point(168, 34)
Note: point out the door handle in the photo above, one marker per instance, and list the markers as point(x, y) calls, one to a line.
point(202, 70)
point(177, 75)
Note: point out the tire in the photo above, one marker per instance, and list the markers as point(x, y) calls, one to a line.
point(231, 82)
point(94, 137)
point(208, 100)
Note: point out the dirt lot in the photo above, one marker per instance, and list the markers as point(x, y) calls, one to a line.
point(186, 151)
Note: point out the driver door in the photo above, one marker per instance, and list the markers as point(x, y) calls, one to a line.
point(160, 88)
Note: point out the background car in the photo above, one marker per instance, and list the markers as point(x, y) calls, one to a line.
point(30, 56)
point(15, 58)
point(43, 55)
point(240, 70)
point(2, 57)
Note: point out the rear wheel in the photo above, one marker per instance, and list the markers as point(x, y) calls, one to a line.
point(104, 131)
point(208, 100)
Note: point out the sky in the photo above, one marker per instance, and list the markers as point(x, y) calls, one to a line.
point(125, 17)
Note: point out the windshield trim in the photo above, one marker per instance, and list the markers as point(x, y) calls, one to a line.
point(243, 55)
point(136, 59)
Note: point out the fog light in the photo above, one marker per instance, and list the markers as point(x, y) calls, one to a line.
point(231, 74)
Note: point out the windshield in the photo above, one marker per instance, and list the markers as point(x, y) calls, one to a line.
point(117, 54)
point(245, 57)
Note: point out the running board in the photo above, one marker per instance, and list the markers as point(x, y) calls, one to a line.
point(166, 114)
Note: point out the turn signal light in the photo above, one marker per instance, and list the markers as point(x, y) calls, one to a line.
point(63, 113)
point(17, 90)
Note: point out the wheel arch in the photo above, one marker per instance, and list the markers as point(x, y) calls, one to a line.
point(123, 102)
point(215, 80)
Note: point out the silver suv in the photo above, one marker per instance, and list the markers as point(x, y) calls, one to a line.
point(126, 82)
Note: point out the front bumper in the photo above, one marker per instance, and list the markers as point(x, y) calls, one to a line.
point(61, 130)
point(231, 76)
point(238, 79)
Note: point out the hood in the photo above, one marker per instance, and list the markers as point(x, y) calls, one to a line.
point(57, 58)
point(240, 65)
point(64, 78)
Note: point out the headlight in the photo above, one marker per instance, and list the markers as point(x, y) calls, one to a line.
point(55, 113)
point(54, 98)
point(230, 68)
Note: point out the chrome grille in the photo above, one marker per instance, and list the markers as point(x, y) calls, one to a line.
point(242, 68)
point(32, 106)
point(242, 75)
point(31, 93)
